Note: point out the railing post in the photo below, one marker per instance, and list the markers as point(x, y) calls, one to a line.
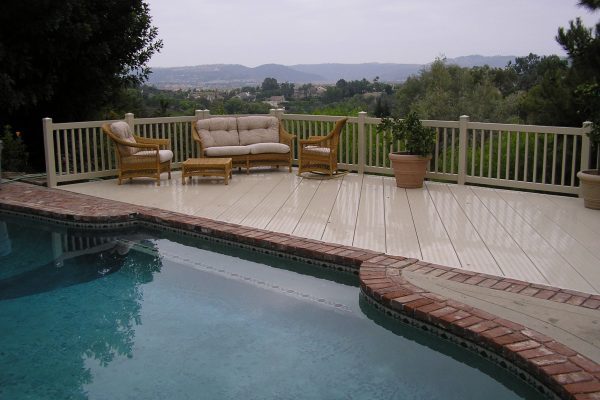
point(49, 150)
point(206, 114)
point(199, 114)
point(361, 141)
point(585, 146)
point(463, 143)
point(129, 118)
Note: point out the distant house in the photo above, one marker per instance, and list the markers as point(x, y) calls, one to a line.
point(320, 90)
point(372, 95)
point(245, 96)
point(275, 101)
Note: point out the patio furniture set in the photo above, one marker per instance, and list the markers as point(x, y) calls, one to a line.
point(224, 143)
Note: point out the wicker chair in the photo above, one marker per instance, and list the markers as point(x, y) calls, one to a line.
point(138, 156)
point(319, 153)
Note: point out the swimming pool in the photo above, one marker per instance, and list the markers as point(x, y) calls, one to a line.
point(144, 314)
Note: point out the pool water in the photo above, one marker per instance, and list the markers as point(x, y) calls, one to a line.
point(145, 315)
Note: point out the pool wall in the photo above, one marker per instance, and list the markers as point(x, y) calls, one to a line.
point(565, 372)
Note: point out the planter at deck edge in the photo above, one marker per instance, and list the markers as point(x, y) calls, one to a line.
point(409, 169)
point(589, 188)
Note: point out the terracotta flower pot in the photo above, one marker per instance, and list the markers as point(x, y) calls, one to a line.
point(589, 188)
point(409, 169)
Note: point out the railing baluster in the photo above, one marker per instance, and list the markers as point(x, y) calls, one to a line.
point(473, 147)
point(574, 157)
point(102, 153)
point(453, 145)
point(87, 147)
point(526, 162)
point(95, 147)
point(481, 154)
point(535, 152)
point(554, 160)
point(59, 153)
point(377, 146)
point(564, 161)
point(437, 155)
point(508, 146)
point(545, 158)
point(498, 165)
point(490, 155)
point(80, 154)
point(517, 155)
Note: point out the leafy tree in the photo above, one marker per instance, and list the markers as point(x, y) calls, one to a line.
point(583, 47)
point(269, 84)
point(69, 59)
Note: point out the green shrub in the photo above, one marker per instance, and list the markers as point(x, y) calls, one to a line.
point(14, 151)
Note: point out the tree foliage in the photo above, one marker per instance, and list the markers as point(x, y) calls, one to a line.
point(583, 47)
point(69, 59)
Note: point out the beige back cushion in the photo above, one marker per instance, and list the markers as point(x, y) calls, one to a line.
point(122, 130)
point(216, 132)
point(258, 129)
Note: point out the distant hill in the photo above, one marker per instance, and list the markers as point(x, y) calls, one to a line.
point(235, 75)
point(226, 75)
point(477, 61)
point(386, 72)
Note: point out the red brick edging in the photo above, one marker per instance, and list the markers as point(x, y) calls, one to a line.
point(569, 374)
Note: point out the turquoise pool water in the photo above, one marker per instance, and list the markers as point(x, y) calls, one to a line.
point(143, 315)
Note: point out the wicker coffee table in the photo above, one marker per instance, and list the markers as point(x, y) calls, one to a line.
point(206, 167)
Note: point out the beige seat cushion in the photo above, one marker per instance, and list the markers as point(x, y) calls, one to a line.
point(258, 129)
point(227, 151)
point(317, 150)
point(122, 130)
point(163, 155)
point(218, 131)
point(264, 148)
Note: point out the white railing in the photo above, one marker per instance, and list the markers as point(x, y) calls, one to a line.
point(544, 158)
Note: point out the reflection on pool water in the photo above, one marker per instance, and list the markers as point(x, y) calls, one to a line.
point(134, 314)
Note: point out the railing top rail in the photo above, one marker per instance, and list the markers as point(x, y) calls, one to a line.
point(561, 130)
point(441, 124)
point(324, 118)
point(82, 124)
point(164, 120)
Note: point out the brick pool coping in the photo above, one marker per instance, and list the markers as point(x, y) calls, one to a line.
point(569, 374)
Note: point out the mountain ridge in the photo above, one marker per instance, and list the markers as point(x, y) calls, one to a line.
point(237, 75)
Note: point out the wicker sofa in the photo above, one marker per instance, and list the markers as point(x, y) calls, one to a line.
point(249, 141)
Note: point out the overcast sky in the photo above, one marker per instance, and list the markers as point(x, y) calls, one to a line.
point(255, 32)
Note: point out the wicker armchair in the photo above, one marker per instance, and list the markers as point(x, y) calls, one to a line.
point(319, 153)
point(138, 156)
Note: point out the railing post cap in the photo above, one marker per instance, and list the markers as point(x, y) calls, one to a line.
point(587, 123)
point(464, 117)
point(362, 113)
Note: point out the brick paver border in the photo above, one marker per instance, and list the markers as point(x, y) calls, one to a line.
point(567, 373)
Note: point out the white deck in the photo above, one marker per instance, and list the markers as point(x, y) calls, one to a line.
point(538, 238)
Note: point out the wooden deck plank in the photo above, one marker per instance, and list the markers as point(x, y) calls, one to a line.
point(468, 244)
point(574, 206)
point(547, 260)
point(291, 212)
point(564, 218)
point(583, 262)
point(342, 221)
point(315, 218)
point(401, 234)
point(370, 224)
point(433, 238)
point(262, 214)
point(250, 200)
point(230, 194)
point(510, 258)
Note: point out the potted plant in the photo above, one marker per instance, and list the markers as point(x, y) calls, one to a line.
point(410, 165)
point(589, 180)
